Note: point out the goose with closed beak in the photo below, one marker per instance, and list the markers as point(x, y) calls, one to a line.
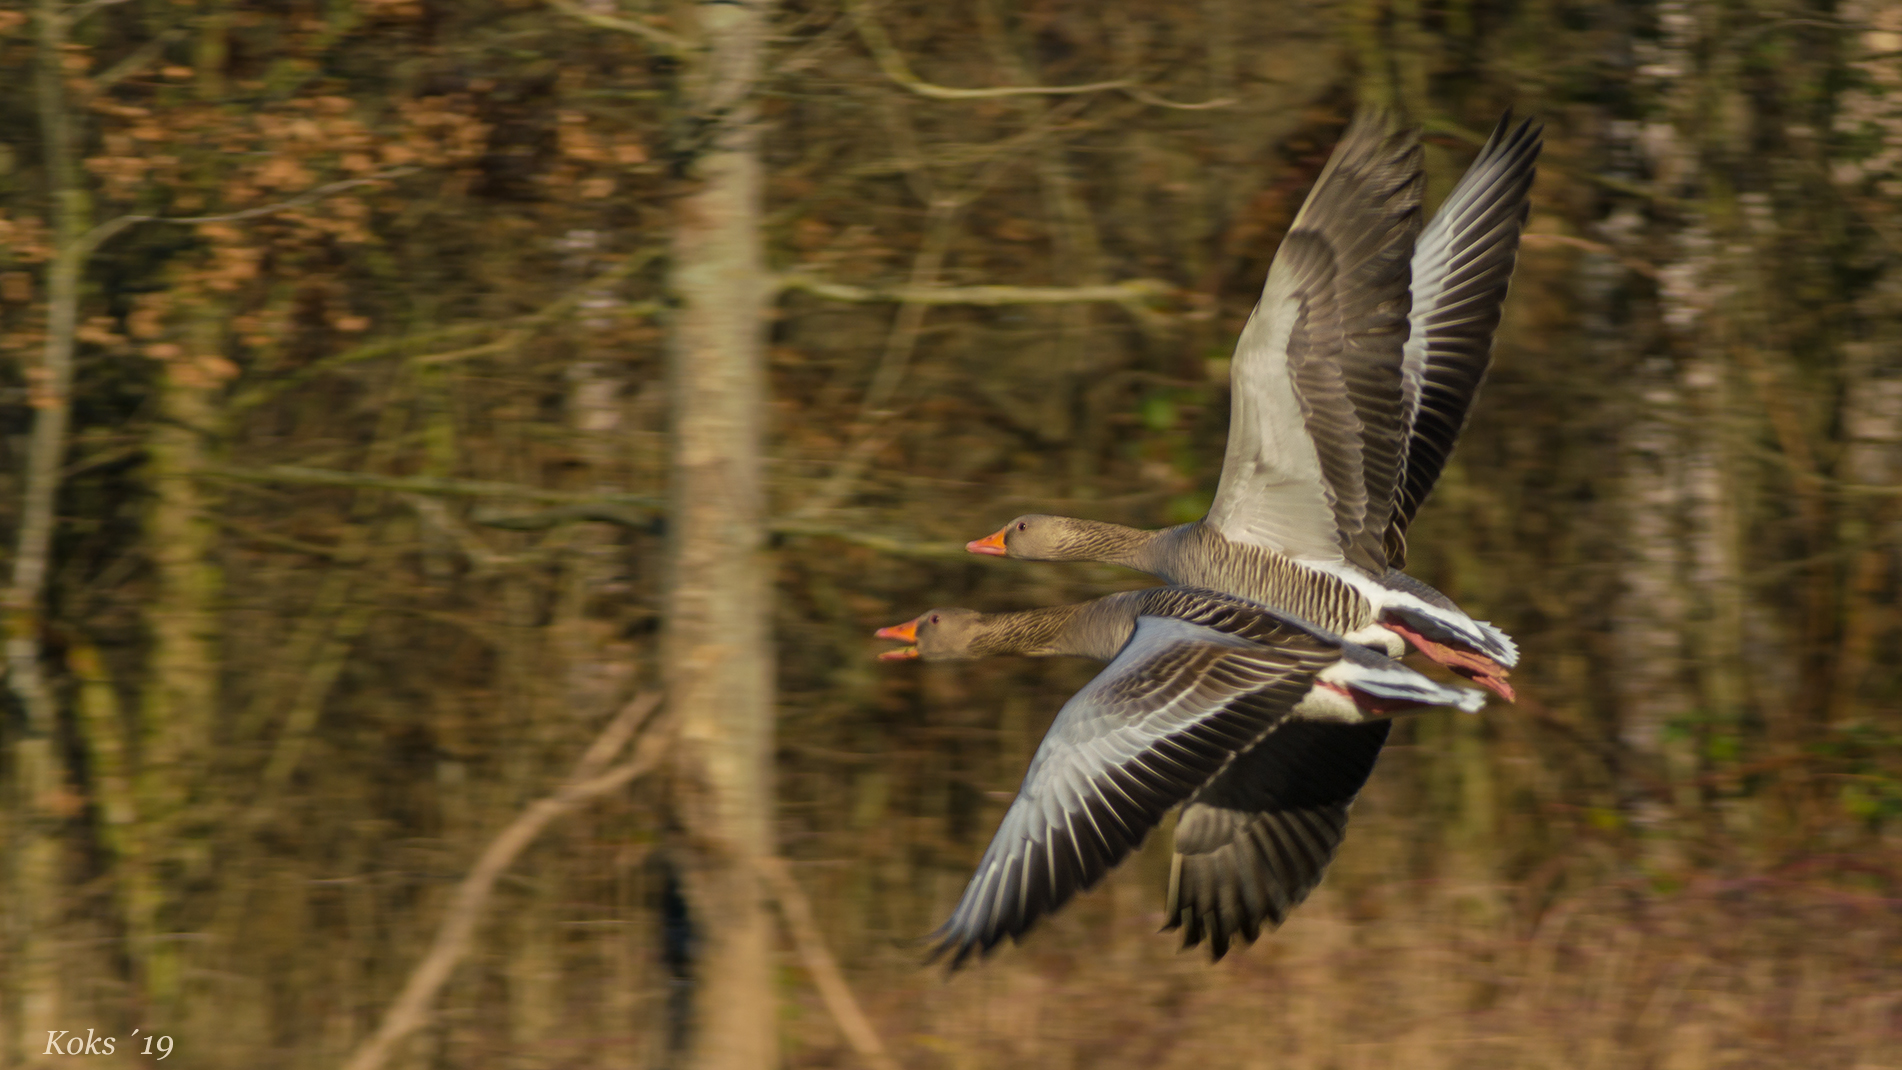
point(1263, 728)
point(1351, 383)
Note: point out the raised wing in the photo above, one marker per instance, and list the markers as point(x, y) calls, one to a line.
point(1317, 424)
point(1252, 844)
point(1160, 721)
point(1461, 267)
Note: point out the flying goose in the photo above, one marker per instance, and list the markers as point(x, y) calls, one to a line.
point(1262, 727)
point(1347, 398)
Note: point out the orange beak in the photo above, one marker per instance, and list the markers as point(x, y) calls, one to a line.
point(903, 633)
point(992, 545)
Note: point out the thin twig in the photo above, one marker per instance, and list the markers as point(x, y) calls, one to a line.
point(844, 1007)
point(410, 1010)
point(608, 508)
point(316, 193)
point(1535, 238)
point(517, 331)
point(1145, 96)
point(434, 513)
point(451, 488)
point(902, 341)
point(78, 12)
point(871, 540)
point(135, 62)
point(88, 243)
point(543, 519)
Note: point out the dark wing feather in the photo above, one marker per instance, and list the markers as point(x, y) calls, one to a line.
point(1461, 268)
point(1317, 427)
point(1252, 844)
point(1236, 617)
point(1159, 722)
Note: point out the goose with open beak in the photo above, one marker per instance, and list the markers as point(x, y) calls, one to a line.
point(1262, 728)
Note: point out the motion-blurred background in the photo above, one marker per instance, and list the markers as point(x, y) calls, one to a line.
point(359, 532)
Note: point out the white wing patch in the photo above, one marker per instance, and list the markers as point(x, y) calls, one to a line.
point(1271, 493)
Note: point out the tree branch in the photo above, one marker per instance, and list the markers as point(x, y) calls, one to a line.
point(591, 779)
point(135, 62)
point(515, 331)
point(893, 64)
point(796, 910)
point(1535, 238)
point(1125, 292)
point(608, 508)
point(78, 12)
point(315, 193)
point(569, 514)
point(871, 540)
point(1138, 93)
point(654, 35)
point(449, 488)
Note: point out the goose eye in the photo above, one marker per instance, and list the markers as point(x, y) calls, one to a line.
point(1023, 525)
point(934, 618)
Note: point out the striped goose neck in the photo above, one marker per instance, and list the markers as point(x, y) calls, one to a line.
point(1071, 538)
point(1035, 632)
point(1261, 574)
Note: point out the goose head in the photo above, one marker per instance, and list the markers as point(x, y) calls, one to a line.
point(939, 635)
point(1038, 537)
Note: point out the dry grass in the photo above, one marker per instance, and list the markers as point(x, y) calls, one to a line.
point(1744, 973)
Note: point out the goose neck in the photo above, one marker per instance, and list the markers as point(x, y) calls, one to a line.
point(1153, 552)
point(1035, 632)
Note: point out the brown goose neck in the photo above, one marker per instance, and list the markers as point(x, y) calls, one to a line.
point(1036, 632)
point(1144, 551)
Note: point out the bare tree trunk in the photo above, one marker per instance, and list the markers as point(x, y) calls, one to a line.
point(1870, 113)
point(1658, 470)
point(181, 686)
point(38, 777)
point(718, 653)
point(1651, 599)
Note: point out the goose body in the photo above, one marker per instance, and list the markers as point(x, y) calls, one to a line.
point(1262, 727)
point(1351, 382)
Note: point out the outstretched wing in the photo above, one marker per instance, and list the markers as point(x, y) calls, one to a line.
point(1317, 421)
point(1160, 721)
point(1252, 844)
point(1461, 267)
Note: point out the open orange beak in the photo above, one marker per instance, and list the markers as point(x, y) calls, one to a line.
point(903, 633)
point(990, 544)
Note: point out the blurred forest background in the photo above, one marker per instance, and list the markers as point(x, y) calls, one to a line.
point(339, 533)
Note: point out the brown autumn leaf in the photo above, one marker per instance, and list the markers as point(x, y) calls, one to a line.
point(147, 320)
point(39, 387)
point(216, 368)
point(97, 330)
